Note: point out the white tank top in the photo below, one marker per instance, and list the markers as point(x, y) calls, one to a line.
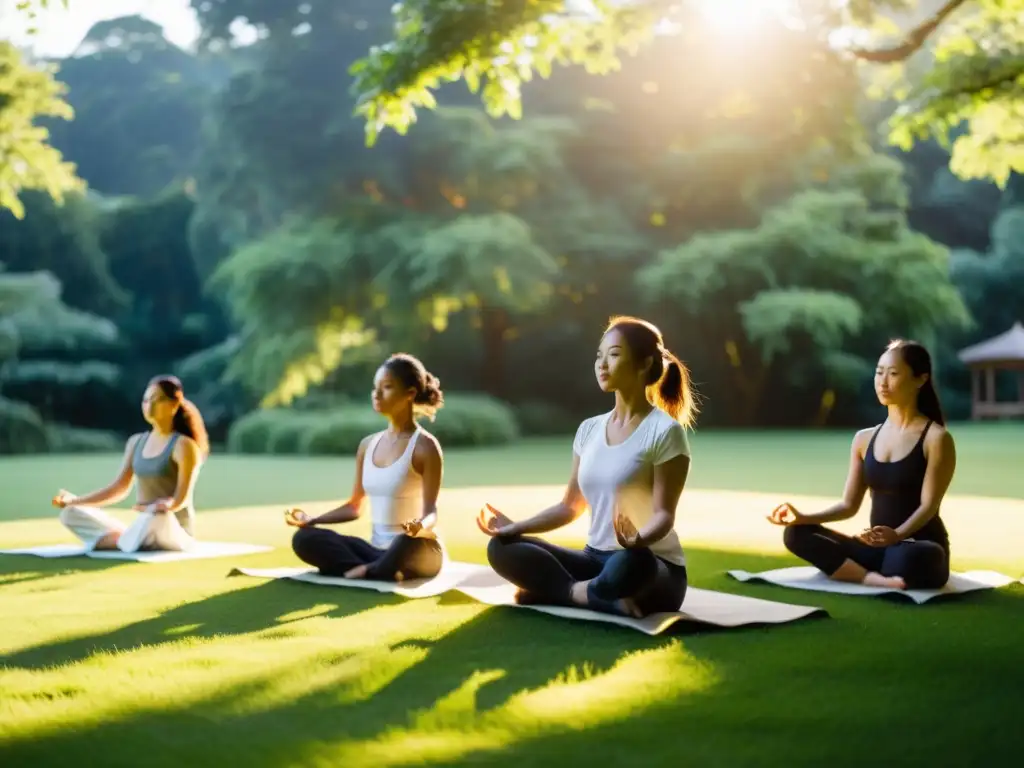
point(395, 492)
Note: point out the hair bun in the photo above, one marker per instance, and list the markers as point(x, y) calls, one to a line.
point(431, 395)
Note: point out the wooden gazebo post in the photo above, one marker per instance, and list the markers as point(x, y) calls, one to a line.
point(1004, 352)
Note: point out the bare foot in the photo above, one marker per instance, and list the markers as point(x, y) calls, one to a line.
point(399, 577)
point(872, 579)
point(356, 573)
point(109, 541)
point(629, 607)
point(578, 593)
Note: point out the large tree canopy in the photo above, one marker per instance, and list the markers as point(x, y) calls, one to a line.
point(975, 79)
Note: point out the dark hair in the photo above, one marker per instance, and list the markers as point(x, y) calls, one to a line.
point(411, 372)
point(668, 380)
point(919, 360)
point(188, 420)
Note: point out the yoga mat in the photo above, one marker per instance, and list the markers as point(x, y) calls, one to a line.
point(480, 583)
point(451, 575)
point(810, 578)
point(200, 551)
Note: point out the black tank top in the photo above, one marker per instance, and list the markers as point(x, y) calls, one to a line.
point(896, 490)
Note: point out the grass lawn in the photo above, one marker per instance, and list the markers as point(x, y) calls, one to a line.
point(122, 664)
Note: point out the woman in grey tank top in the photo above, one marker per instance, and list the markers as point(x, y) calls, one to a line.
point(164, 465)
point(400, 471)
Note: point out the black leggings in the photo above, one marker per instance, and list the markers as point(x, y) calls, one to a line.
point(547, 572)
point(921, 564)
point(333, 554)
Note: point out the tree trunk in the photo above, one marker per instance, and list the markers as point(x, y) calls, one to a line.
point(494, 323)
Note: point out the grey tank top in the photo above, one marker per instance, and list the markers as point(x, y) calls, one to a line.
point(156, 477)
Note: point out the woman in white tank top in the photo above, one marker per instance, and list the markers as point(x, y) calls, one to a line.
point(399, 470)
point(629, 467)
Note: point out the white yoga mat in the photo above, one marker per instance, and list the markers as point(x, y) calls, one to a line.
point(451, 575)
point(480, 583)
point(810, 578)
point(200, 551)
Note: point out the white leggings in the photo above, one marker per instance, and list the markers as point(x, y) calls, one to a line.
point(148, 531)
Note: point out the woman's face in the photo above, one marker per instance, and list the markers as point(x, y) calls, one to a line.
point(158, 408)
point(895, 382)
point(615, 367)
point(389, 396)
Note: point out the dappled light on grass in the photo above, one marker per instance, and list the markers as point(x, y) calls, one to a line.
point(577, 700)
point(226, 675)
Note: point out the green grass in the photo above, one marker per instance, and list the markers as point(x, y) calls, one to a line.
point(123, 664)
point(990, 457)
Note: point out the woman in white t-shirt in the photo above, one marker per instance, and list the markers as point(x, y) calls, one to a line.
point(400, 471)
point(629, 467)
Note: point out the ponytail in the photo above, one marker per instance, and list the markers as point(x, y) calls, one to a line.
point(673, 392)
point(188, 421)
point(928, 403)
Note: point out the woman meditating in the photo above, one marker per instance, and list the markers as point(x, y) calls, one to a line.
point(629, 466)
point(907, 462)
point(400, 470)
point(164, 464)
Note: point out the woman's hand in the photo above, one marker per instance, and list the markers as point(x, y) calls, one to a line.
point(786, 514)
point(159, 506)
point(297, 518)
point(413, 527)
point(625, 532)
point(878, 536)
point(63, 499)
point(494, 523)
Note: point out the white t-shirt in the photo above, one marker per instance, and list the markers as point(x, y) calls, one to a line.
point(621, 477)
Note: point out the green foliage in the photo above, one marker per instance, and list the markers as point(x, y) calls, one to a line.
point(27, 161)
point(774, 317)
point(467, 420)
point(972, 95)
point(474, 420)
point(835, 267)
point(65, 439)
point(540, 418)
point(55, 328)
point(63, 238)
point(298, 296)
point(21, 429)
point(138, 98)
point(87, 394)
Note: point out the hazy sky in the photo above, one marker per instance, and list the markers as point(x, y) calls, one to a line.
point(60, 29)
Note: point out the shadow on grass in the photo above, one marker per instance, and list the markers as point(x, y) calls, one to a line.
point(796, 694)
point(21, 569)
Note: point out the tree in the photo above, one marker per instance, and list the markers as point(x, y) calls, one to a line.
point(496, 47)
point(972, 94)
point(797, 306)
point(138, 102)
point(27, 161)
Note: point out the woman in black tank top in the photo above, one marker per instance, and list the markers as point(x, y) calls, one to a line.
point(907, 463)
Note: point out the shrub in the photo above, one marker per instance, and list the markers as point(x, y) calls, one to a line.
point(251, 433)
point(339, 431)
point(288, 431)
point(65, 439)
point(465, 421)
point(84, 394)
point(472, 420)
point(21, 429)
point(540, 418)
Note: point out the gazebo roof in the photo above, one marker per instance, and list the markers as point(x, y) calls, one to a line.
point(1005, 347)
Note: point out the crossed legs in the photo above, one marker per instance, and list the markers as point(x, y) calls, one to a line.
point(632, 582)
point(906, 565)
